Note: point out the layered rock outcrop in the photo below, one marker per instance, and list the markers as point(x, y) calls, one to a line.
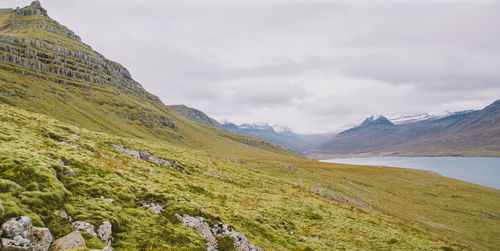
point(70, 59)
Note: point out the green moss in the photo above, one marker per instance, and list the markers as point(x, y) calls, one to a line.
point(225, 243)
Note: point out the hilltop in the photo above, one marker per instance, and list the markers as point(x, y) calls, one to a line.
point(85, 147)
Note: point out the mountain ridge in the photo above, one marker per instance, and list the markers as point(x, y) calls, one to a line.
point(467, 133)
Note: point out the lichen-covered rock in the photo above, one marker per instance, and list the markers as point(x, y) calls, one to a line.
point(104, 232)
point(84, 226)
point(157, 209)
point(72, 240)
point(41, 238)
point(65, 215)
point(17, 244)
point(211, 231)
point(148, 157)
point(201, 227)
point(35, 9)
point(17, 227)
point(68, 171)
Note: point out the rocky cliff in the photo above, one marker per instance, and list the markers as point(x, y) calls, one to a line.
point(33, 44)
point(194, 114)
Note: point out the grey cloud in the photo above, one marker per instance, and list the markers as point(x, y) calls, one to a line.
point(312, 65)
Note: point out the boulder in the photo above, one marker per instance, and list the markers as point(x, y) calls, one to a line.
point(72, 240)
point(104, 232)
point(211, 231)
point(41, 238)
point(157, 209)
point(17, 244)
point(65, 215)
point(201, 227)
point(84, 226)
point(17, 227)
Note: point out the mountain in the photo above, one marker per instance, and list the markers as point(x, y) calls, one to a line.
point(46, 68)
point(194, 114)
point(90, 159)
point(468, 133)
point(298, 143)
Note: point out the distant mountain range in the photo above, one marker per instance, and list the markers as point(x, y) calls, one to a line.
point(284, 137)
point(280, 135)
point(468, 133)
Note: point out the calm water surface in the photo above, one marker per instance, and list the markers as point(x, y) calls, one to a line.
point(479, 170)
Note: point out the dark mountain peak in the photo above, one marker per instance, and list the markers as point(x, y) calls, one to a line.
point(34, 9)
point(373, 121)
point(376, 120)
point(494, 105)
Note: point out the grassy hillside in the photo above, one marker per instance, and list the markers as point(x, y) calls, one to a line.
point(45, 68)
point(274, 201)
point(65, 103)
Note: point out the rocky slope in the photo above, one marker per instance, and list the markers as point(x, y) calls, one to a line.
point(470, 133)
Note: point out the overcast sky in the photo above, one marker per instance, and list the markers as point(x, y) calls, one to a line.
point(312, 65)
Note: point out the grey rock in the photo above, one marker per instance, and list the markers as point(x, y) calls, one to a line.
point(104, 232)
point(201, 227)
point(215, 174)
point(41, 238)
point(61, 162)
point(15, 227)
point(16, 245)
point(35, 9)
point(72, 240)
point(104, 249)
point(148, 157)
point(84, 226)
point(157, 209)
point(68, 170)
point(338, 198)
point(108, 199)
point(65, 215)
point(210, 232)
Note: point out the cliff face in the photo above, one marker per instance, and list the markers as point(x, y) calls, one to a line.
point(31, 40)
point(45, 67)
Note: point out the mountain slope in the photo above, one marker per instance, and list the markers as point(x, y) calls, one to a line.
point(45, 68)
point(470, 133)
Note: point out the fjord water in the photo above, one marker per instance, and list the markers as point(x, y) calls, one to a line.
point(483, 171)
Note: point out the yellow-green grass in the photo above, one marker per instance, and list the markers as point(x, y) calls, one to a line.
point(260, 196)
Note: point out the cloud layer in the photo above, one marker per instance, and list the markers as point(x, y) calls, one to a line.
point(314, 66)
